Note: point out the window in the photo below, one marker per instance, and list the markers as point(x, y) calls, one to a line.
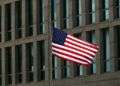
point(105, 51)
point(64, 14)
point(117, 49)
point(41, 60)
point(40, 14)
point(52, 11)
point(0, 21)
point(29, 62)
point(104, 10)
point(76, 16)
point(93, 11)
point(8, 64)
point(116, 7)
point(7, 22)
point(88, 12)
point(18, 17)
point(55, 68)
point(63, 68)
point(18, 64)
point(29, 17)
point(0, 68)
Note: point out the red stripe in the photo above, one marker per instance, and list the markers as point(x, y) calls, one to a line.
point(89, 44)
point(73, 52)
point(80, 46)
point(71, 56)
point(86, 65)
point(80, 50)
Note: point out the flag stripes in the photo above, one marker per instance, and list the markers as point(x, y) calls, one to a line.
point(75, 50)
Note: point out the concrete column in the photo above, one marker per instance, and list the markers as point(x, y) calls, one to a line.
point(83, 12)
point(47, 47)
point(58, 24)
point(23, 18)
point(111, 8)
point(24, 63)
point(3, 67)
point(34, 51)
point(13, 38)
point(13, 65)
point(35, 17)
point(3, 40)
point(113, 48)
point(97, 11)
point(83, 36)
point(13, 20)
point(3, 23)
point(98, 56)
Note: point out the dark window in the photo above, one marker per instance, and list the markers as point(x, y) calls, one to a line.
point(105, 51)
point(116, 9)
point(53, 67)
point(88, 11)
point(0, 21)
point(0, 68)
point(8, 64)
point(29, 17)
point(89, 39)
point(118, 47)
point(102, 10)
point(117, 42)
point(63, 68)
point(40, 60)
point(18, 64)
point(7, 22)
point(40, 16)
point(52, 12)
point(29, 61)
point(76, 12)
point(18, 19)
point(64, 14)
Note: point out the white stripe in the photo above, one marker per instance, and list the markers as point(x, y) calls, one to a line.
point(90, 48)
point(69, 58)
point(79, 48)
point(71, 54)
point(73, 50)
point(80, 40)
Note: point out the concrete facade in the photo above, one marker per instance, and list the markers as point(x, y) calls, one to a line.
point(100, 78)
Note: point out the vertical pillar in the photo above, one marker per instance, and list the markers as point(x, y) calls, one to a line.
point(13, 39)
point(23, 18)
point(48, 55)
point(97, 11)
point(3, 67)
point(34, 17)
point(83, 8)
point(3, 40)
point(113, 47)
point(35, 43)
point(13, 66)
point(111, 10)
point(58, 24)
point(24, 63)
point(98, 58)
point(34, 52)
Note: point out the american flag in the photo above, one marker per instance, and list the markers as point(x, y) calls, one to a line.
point(72, 49)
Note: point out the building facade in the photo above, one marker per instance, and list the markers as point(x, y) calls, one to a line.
point(25, 42)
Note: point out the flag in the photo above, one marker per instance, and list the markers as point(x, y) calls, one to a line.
point(72, 49)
